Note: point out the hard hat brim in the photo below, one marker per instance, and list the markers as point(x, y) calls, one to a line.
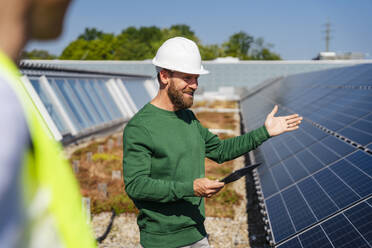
point(201, 71)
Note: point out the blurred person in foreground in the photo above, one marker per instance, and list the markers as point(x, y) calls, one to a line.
point(40, 203)
point(165, 148)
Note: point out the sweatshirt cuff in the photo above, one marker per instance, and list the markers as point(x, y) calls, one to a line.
point(262, 134)
point(187, 188)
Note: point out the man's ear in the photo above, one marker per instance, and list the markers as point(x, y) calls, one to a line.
point(164, 77)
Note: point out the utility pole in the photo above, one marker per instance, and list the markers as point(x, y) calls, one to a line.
point(328, 35)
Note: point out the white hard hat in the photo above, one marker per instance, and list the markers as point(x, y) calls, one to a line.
point(179, 54)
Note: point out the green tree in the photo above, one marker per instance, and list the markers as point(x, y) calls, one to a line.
point(238, 45)
point(210, 52)
point(184, 31)
point(37, 54)
point(143, 42)
point(138, 44)
point(266, 54)
point(261, 51)
point(91, 34)
point(98, 49)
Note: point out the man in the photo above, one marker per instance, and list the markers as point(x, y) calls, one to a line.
point(165, 147)
point(39, 197)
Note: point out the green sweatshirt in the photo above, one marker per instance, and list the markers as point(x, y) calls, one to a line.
point(164, 153)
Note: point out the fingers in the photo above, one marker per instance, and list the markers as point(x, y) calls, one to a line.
point(212, 192)
point(292, 128)
point(206, 188)
point(294, 120)
point(289, 117)
point(274, 111)
point(293, 124)
point(216, 185)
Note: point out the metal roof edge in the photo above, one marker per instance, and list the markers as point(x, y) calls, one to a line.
point(346, 62)
point(45, 66)
point(279, 62)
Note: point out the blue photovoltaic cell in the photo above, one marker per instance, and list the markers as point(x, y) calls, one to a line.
point(362, 160)
point(281, 176)
point(315, 238)
point(368, 117)
point(280, 222)
point(319, 202)
point(359, 181)
point(62, 93)
point(97, 101)
point(86, 95)
point(340, 117)
point(295, 168)
point(293, 243)
point(49, 106)
point(342, 233)
point(293, 145)
point(365, 126)
point(79, 98)
point(282, 151)
point(330, 124)
point(297, 208)
point(323, 153)
point(311, 163)
point(354, 111)
point(340, 147)
point(268, 184)
point(136, 88)
point(356, 135)
point(102, 96)
point(361, 217)
point(313, 131)
point(75, 105)
point(108, 99)
point(268, 153)
point(303, 137)
point(89, 98)
point(341, 194)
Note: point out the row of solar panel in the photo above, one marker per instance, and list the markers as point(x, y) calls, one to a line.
point(350, 228)
point(319, 196)
point(345, 111)
point(311, 174)
point(76, 104)
point(359, 75)
point(296, 156)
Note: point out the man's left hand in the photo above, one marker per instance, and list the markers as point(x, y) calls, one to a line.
point(281, 124)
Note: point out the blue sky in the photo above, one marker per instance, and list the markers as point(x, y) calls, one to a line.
point(294, 27)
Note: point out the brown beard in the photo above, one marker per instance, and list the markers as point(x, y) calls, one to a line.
point(176, 97)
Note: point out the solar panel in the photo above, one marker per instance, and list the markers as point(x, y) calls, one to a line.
point(137, 89)
point(320, 203)
point(316, 182)
point(49, 105)
point(342, 233)
point(340, 193)
point(315, 237)
point(293, 243)
point(349, 228)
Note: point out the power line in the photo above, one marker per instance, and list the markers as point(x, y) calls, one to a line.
point(328, 35)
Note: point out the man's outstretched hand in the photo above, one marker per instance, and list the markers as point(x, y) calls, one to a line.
point(206, 188)
point(281, 124)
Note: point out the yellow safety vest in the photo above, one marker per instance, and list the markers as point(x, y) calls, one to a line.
point(52, 201)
